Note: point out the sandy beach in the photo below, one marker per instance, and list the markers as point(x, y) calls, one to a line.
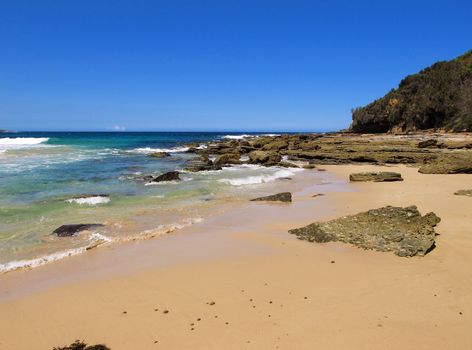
point(240, 281)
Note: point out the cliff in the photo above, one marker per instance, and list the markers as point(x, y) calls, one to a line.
point(438, 97)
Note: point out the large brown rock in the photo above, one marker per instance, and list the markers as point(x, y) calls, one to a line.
point(279, 197)
point(225, 159)
point(275, 145)
point(402, 231)
point(381, 176)
point(264, 157)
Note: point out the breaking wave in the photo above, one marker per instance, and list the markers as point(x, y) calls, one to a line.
point(259, 179)
point(149, 150)
point(91, 200)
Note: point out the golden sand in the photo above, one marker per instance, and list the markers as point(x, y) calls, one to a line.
point(240, 281)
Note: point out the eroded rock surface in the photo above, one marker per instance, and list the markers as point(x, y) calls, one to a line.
point(464, 193)
point(402, 231)
point(450, 164)
point(382, 176)
point(279, 197)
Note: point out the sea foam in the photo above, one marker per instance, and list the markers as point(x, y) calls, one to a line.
point(149, 150)
point(23, 140)
point(92, 200)
point(259, 179)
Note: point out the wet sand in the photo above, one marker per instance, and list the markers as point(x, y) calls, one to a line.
point(240, 281)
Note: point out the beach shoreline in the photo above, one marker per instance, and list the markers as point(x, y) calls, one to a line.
point(273, 290)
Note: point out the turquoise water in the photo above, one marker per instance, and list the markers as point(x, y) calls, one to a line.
point(41, 173)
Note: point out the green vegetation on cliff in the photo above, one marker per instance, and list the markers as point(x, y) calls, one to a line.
point(438, 97)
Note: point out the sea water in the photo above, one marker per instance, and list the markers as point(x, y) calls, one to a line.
point(52, 179)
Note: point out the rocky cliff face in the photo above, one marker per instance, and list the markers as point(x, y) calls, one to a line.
point(438, 97)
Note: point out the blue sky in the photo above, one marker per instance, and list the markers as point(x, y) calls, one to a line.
point(213, 65)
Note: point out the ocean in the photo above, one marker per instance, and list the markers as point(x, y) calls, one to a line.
point(44, 177)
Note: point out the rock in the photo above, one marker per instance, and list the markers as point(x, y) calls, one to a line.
point(427, 143)
point(78, 345)
point(309, 146)
point(287, 165)
point(201, 167)
point(70, 230)
point(279, 197)
point(402, 231)
point(464, 193)
point(225, 159)
point(309, 166)
point(275, 145)
point(169, 176)
point(159, 155)
point(264, 157)
point(201, 163)
point(450, 164)
point(382, 176)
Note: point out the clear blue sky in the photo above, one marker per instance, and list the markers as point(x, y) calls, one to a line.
point(213, 65)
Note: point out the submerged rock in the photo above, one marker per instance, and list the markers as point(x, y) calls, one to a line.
point(464, 193)
point(70, 230)
point(402, 231)
point(160, 155)
point(279, 197)
point(169, 176)
point(382, 176)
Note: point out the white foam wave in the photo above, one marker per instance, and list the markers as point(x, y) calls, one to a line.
point(236, 137)
point(244, 136)
point(31, 263)
point(96, 239)
point(23, 140)
point(259, 179)
point(149, 150)
point(164, 229)
point(92, 200)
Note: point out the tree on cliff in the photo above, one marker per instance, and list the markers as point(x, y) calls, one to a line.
point(438, 97)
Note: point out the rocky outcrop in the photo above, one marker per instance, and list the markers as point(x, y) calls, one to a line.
point(438, 97)
point(382, 176)
point(225, 159)
point(449, 164)
point(279, 197)
point(201, 163)
point(169, 176)
point(264, 157)
point(463, 193)
point(402, 231)
point(71, 230)
point(275, 145)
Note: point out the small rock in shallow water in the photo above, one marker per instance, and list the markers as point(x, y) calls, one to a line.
point(400, 230)
point(382, 176)
point(70, 230)
point(169, 176)
point(160, 155)
point(279, 197)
